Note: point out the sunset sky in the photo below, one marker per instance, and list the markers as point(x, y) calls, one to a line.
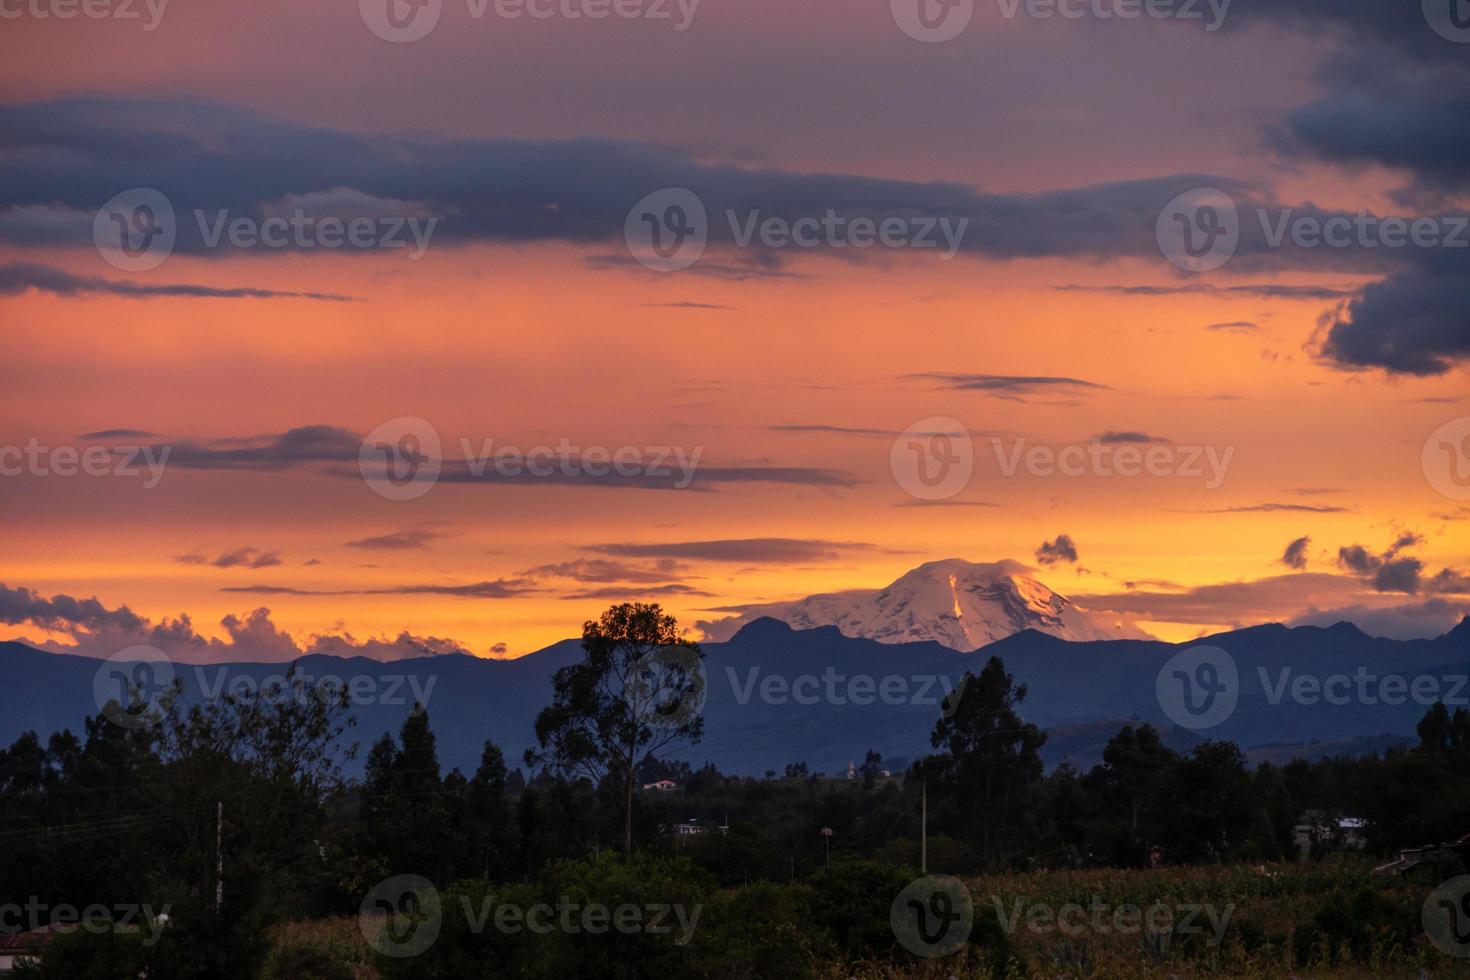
point(787, 373)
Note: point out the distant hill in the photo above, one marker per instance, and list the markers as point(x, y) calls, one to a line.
point(779, 695)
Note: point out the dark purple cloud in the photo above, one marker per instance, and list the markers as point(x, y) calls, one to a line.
point(17, 277)
point(1063, 549)
point(1295, 555)
point(410, 539)
point(238, 558)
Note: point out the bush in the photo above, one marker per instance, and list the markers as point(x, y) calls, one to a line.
point(1360, 927)
point(301, 962)
point(545, 928)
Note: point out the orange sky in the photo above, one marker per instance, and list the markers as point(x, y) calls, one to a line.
point(531, 343)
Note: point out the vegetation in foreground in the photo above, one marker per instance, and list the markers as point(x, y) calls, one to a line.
point(131, 814)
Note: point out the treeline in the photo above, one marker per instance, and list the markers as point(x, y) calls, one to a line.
point(145, 813)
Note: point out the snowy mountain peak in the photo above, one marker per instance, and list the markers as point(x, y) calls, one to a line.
point(961, 604)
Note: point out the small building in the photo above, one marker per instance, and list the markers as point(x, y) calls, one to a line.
point(1318, 831)
point(662, 786)
point(23, 946)
point(690, 828)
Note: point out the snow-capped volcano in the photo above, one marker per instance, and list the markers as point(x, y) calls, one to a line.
point(961, 604)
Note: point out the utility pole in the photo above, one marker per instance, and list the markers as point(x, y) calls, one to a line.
point(827, 839)
point(219, 856)
point(924, 827)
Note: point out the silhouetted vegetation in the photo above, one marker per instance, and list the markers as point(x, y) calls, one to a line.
point(128, 816)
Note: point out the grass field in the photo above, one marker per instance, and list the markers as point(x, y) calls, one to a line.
point(1303, 921)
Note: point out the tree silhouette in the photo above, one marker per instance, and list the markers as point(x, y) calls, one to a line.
point(639, 689)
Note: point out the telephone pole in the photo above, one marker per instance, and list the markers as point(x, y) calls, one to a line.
point(219, 856)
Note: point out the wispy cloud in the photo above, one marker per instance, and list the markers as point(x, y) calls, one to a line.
point(409, 539)
point(759, 551)
point(17, 277)
point(238, 558)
